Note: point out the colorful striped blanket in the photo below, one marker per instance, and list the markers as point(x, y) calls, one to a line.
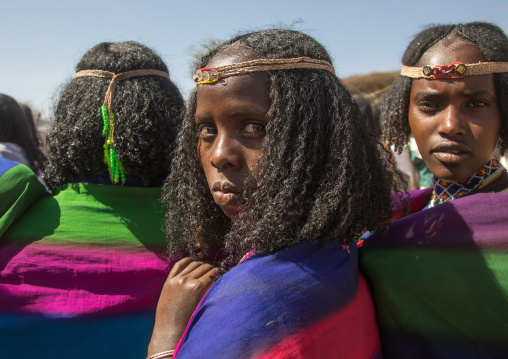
point(307, 301)
point(440, 279)
point(81, 273)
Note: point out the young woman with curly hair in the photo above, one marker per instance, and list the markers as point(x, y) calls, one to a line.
point(275, 167)
point(439, 274)
point(82, 269)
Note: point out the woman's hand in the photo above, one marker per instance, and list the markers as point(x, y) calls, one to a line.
point(187, 282)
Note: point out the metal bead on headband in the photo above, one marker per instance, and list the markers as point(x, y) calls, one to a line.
point(115, 167)
point(208, 75)
point(456, 70)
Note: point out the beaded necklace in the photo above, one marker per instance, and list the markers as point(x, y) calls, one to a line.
point(445, 191)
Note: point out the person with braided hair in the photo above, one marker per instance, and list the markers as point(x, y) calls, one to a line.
point(81, 270)
point(439, 274)
point(274, 165)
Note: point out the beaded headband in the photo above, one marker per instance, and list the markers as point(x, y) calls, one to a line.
point(208, 75)
point(456, 70)
point(115, 167)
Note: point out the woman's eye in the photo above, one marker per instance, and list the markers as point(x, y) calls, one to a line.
point(254, 130)
point(206, 130)
point(428, 106)
point(477, 104)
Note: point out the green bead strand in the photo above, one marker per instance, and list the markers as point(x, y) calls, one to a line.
point(115, 167)
point(104, 111)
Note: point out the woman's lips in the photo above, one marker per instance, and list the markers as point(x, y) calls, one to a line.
point(451, 154)
point(226, 194)
point(451, 158)
point(227, 199)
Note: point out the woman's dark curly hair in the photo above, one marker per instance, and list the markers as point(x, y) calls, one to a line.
point(147, 110)
point(321, 176)
point(491, 41)
point(14, 128)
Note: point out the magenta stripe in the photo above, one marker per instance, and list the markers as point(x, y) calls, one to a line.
point(74, 280)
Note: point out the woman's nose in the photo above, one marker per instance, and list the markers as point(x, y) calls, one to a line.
point(225, 152)
point(452, 122)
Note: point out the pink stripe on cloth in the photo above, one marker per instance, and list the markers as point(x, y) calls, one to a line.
point(350, 333)
point(180, 342)
point(72, 280)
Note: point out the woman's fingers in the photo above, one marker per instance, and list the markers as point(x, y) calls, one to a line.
point(209, 277)
point(200, 270)
point(191, 277)
point(191, 267)
point(186, 284)
point(188, 266)
point(180, 266)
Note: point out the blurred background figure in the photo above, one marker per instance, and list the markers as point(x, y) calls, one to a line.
point(370, 113)
point(33, 124)
point(18, 141)
point(369, 93)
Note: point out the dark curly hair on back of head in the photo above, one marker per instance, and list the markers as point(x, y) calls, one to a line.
point(321, 177)
point(147, 110)
point(491, 41)
point(14, 128)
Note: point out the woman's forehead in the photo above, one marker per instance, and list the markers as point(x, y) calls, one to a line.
point(448, 51)
point(232, 54)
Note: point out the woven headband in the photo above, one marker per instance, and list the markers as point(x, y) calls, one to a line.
point(456, 70)
point(108, 100)
point(115, 167)
point(208, 75)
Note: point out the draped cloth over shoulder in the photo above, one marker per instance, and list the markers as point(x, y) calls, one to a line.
point(307, 301)
point(19, 188)
point(440, 279)
point(81, 273)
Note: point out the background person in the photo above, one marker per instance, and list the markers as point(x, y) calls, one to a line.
point(81, 271)
point(16, 140)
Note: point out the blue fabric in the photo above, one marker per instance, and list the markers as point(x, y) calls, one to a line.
point(70, 338)
point(6, 165)
point(265, 299)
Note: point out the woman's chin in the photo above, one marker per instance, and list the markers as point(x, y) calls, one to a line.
point(232, 215)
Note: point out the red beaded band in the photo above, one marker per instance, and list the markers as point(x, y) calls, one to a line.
point(456, 70)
